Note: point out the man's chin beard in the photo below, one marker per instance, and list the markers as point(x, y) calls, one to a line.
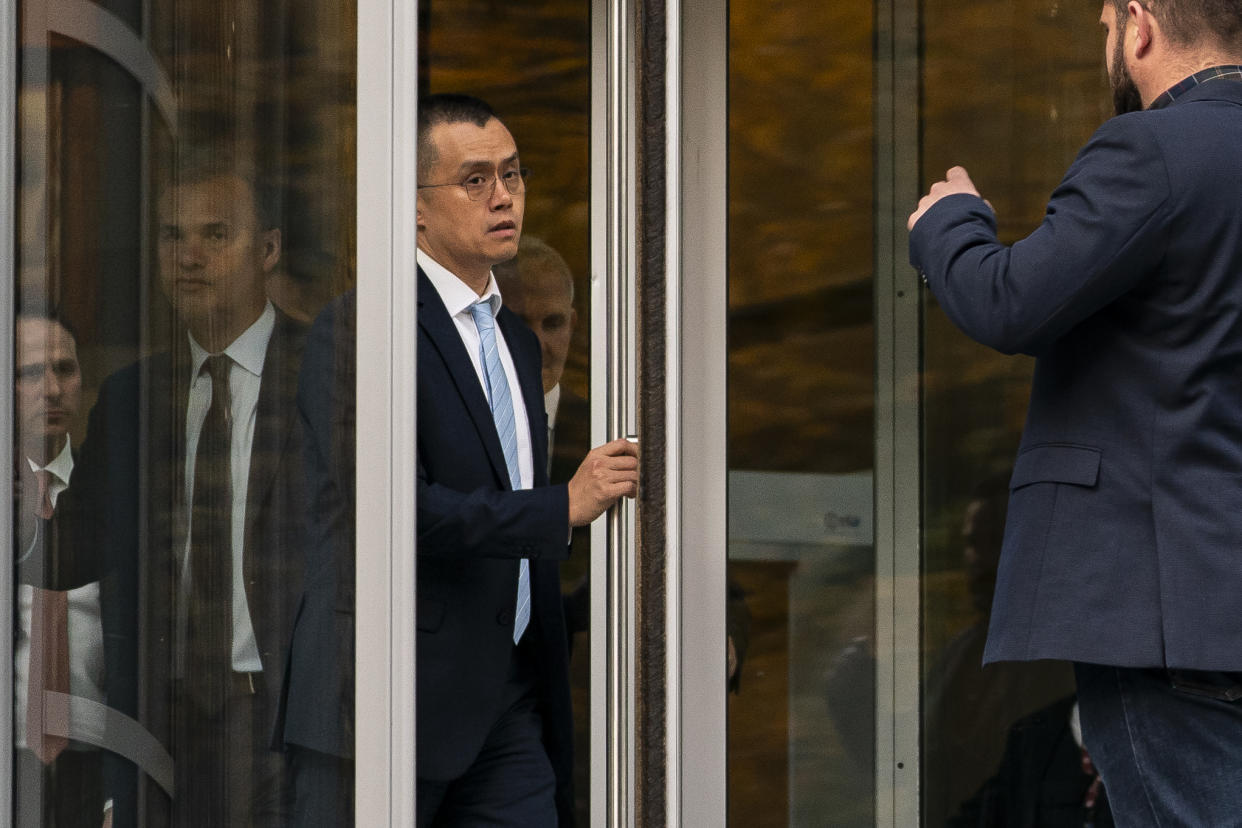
point(1126, 97)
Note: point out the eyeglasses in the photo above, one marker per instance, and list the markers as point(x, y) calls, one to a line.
point(479, 186)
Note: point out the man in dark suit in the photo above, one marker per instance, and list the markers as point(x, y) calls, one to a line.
point(1121, 547)
point(493, 718)
point(59, 643)
point(192, 466)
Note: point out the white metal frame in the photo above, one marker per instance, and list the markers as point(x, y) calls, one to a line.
point(386, 437)
point(698, 70)
point(8, 233)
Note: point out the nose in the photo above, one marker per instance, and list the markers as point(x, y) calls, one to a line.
point(501, 197)
point(51, 384)
point(189, 253)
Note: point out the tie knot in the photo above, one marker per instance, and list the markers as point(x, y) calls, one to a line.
point(217, 366)
point(483, 315)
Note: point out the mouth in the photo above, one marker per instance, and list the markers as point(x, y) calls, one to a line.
point(190, 284)
point(503, 228)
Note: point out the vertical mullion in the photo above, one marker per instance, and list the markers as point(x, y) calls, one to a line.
point(598, 629)
point(897, 493)
point(386, 438)
point(907, 407)
point(672, 406)
point(8, 234)
point(699, 309)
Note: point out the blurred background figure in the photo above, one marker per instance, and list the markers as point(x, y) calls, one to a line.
point(539, 287)
point(970, 708)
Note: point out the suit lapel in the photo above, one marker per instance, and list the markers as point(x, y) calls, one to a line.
point(435, 321)
point(273, 419)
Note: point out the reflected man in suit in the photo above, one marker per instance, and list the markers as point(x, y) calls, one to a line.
point(59, 645)
point(193, 463)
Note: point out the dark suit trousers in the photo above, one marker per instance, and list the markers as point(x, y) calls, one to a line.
point(68, 793)
point(511, 781)
point(257, 779)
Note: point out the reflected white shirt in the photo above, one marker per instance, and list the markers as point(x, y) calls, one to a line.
point(248, 352)
point(86, 661)
point(458, 298)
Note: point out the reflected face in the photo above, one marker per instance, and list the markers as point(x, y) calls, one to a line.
point(465, 236)
point(48, 386)
point(214, 258)
point(545, 304)
point(1126, 97)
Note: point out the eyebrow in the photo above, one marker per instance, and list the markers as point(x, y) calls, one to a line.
point(471, 165)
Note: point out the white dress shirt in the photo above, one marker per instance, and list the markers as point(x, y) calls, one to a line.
point(86, 661)
point(248, 353)
point(458, 298)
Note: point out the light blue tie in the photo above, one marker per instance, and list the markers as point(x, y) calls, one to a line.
point(506, 429)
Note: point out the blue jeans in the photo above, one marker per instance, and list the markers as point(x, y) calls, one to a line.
point(1168, 743)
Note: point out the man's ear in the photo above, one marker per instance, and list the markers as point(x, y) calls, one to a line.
point(1146, 29)
point(271, 249)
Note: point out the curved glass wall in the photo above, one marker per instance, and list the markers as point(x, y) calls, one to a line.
point(185, 209)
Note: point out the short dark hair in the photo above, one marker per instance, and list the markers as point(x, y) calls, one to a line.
point(446, 108)
point(199, 163)
point(45, 312)
point(1193, 22)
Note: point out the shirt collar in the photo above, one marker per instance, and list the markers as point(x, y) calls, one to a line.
point(249, 350)
point(551, 402)
point(1228, 71)
point(61, 466)
point(454, 293)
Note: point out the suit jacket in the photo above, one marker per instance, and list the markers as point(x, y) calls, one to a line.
point(1122, 541)
point(132, 475)
point(317, 708)
point(472, 531)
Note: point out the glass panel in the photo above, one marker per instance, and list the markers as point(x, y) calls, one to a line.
point(1038, 106)
point(186, 198)
point(531, 62)
point(801, 414)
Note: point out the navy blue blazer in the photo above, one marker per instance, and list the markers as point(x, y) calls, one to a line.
point(1124, 539)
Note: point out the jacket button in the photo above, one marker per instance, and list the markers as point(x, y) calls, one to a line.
point(504, 617)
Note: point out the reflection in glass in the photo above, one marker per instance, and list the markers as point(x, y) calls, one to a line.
point(167, 263)
point(801, 409)
point(1038, 106)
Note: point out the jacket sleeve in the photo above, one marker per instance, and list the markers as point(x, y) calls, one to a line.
point(490, 523)
point(1104, 228)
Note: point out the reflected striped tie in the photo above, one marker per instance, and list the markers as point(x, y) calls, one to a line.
point(506, 429)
